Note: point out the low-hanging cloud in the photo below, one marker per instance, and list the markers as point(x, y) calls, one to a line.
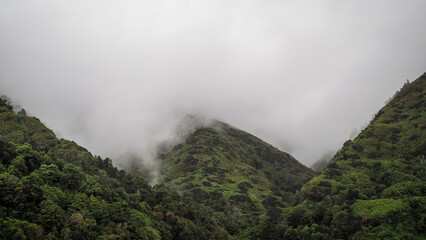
point(118, 76)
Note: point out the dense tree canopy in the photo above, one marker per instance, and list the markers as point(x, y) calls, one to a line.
point(231, 185)
point(375, 188)
point(54, 189)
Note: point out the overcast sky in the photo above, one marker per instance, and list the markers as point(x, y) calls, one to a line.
point(117, 75)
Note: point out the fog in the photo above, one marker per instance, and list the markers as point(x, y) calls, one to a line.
point(118, 76)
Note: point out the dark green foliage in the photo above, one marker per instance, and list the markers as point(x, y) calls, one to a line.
point(375, 187)
point(244, 186)
point(231, 185)
point(254, 179)
point(58, 202)
point(55, 189)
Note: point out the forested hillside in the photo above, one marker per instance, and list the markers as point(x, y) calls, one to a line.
point(245, 180)
point(219, 182)
point(375, 188)
point(54, 189)
point(230, 182)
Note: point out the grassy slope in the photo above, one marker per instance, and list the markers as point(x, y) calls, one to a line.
point(375, 188)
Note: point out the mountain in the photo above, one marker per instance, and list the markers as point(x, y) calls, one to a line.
point(219, 182)
point(375, 187)
point(231, 170)
point(55, 189)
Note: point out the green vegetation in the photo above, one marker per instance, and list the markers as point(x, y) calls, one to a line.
point(55, 189)
point(246, 181)
point(219, 183)
point(375, 187)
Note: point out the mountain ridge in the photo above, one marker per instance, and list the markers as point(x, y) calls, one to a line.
point(375, 186)
point(55, 189)
point(222, 166)
point(219, 183)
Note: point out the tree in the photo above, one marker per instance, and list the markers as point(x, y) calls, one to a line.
point(51, 215)
point(22, 113)
point(50, 174)
point(73, 176)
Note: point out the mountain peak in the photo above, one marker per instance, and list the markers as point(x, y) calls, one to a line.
point(190, 123)
point(222, 162)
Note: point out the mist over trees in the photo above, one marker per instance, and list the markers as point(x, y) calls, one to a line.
point(299, 75)
point(199, 119)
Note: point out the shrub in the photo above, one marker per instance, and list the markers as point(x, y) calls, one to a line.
point(358, 147)
point(244, 186)
point(206, 183)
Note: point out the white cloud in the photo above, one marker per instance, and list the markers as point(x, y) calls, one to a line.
point(116, 75)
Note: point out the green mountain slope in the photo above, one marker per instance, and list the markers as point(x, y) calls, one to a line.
point(54, 189)
point(231, 170)
point(375, 188)
point(219, 183)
